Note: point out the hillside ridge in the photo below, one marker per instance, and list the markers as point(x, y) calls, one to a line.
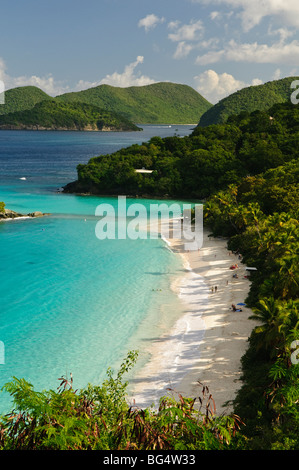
point(252, 98)
point(55, 115)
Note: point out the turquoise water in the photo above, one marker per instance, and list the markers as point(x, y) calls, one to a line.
point(71, 303)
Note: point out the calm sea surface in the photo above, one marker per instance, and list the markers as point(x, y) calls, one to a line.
point(71, 303)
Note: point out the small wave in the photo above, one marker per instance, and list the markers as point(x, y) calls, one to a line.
point(167, 244)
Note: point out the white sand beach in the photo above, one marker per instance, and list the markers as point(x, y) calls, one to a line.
point(206, 344)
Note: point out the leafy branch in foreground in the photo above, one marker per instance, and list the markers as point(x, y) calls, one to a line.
point(99, 418)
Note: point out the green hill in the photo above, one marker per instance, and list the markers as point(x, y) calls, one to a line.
point(159, 103)
point(249, 99)
point(21, 98)
point(55, 115)
point(198, 165)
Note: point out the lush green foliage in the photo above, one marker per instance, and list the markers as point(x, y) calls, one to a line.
point(248, 169)
point(2, 207)
point(249, 99)
point(51, 114)
point(199, 165)
point(260, 217)
point(21, 98)
point(99, 418)
point(150, 104)
point(159, 103)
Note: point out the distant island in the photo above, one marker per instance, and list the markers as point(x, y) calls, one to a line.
point(158, 103)
point(54, 115)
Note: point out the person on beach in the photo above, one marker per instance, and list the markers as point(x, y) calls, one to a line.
point(215, 288)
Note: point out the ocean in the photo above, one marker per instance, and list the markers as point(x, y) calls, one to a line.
point(71, 303)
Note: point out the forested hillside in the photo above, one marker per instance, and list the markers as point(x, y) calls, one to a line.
point(21, 98)
point(199, 165)
point(54, 115)
point(260, 217)
point(159, 103)
point(249, 99)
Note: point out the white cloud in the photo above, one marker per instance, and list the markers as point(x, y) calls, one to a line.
point(173, 24)
point(185, 35)
point(276, 74)
point(53, 87)
point(125, 79)
point(214, 15)
point(150, 22)
point(128, 77)
point(210, 57)
point(214, 86)
point(47, 83)
point(182, 50)
point(252, 12)
point(187, 32)
point(283, 33)
point(277, 53)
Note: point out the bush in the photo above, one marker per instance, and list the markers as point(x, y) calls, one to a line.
point(99, 418)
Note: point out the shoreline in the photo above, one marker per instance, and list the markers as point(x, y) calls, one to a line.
point(9, 215)
point(207, 342)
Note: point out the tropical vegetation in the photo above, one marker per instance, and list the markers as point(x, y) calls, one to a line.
point(198, 165)
point(51, 114)
point(21, 98)
point(260, 218)
point(99, 418)
point(247, 171)
point(249, 99)
point(159, 103)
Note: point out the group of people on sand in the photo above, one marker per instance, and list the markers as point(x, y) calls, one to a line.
point(214, 289)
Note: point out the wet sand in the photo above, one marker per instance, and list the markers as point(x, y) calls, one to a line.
point(206, 344)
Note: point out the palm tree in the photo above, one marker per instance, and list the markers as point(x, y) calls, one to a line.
point(272, 316)
point(288, 277)
point(290, 328)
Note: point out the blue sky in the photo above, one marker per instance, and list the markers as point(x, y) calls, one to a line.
point(215, 46)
